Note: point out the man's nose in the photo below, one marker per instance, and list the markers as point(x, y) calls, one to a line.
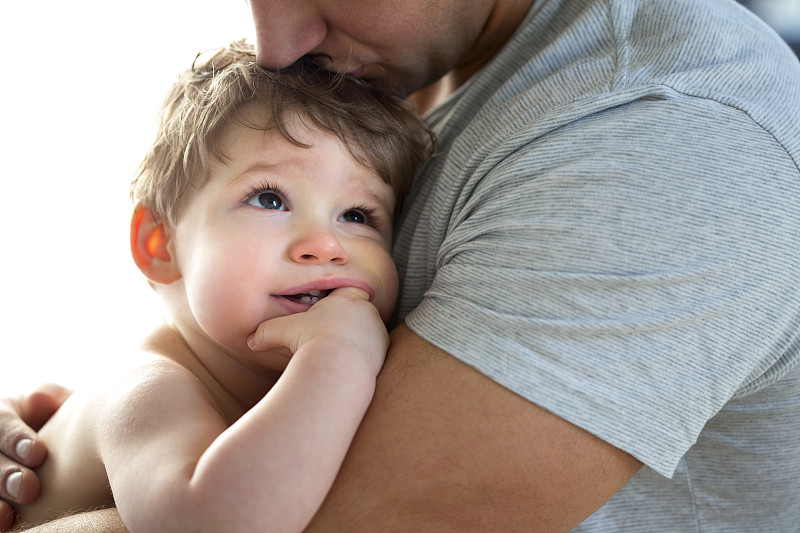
point(286, 30)
point(317, 245)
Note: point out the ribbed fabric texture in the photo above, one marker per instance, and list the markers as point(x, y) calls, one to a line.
point(612, 230)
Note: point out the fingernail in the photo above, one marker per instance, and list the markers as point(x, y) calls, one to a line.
point(23, 448)
point(13, 484)
point(251, 341)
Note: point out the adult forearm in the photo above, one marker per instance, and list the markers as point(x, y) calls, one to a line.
point(444, 449)
point(100, 521)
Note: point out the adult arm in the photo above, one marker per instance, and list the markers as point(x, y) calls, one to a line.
point(100, 521)
point(443, 448)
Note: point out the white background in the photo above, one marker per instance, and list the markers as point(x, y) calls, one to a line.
point(81, 83)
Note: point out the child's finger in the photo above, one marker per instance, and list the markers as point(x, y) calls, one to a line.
point(286, 331)
point(352, 292)
point(270, 335)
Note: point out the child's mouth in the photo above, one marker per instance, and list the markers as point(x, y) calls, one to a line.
point(308, 298)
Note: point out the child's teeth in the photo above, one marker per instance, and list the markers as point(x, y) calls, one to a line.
point(310, 297)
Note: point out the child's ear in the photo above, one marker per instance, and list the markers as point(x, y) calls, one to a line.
point(150, 247)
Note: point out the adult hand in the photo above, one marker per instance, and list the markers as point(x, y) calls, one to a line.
point(20, 447)
point(346, 317)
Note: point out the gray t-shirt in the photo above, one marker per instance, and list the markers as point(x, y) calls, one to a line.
point(612, 230)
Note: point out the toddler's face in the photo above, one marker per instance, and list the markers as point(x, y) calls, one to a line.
point(275, 229)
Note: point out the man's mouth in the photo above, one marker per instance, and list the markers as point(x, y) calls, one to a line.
point(308, 298)
point(357, 72)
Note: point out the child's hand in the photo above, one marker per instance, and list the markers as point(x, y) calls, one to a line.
point(344, 319)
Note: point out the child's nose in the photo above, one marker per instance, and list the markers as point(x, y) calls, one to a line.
point(317, 245)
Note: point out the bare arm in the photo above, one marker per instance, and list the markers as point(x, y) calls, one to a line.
point(273, 467)
point(444, 449)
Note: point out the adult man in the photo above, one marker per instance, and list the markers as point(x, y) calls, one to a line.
point(599, 270)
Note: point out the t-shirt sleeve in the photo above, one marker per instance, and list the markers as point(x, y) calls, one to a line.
point(630, 271)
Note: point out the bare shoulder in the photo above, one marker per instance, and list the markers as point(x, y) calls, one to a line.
point(114, 422)
point(151, 400)
point(158, 377)
point(73, 476)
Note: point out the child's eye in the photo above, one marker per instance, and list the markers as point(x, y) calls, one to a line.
point(356, 216)
point(266, 200)
point(362, 215)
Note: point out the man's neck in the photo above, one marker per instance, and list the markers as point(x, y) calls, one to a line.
point(432, 96)
point(503, 21)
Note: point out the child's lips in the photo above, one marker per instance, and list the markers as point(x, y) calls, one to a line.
point(325, 286)
point(300, 298)
point(297, 303)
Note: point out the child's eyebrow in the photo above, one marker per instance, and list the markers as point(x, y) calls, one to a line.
point(373, 196)
point(259, 168)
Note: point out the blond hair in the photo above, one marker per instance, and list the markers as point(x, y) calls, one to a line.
point(381, 132)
